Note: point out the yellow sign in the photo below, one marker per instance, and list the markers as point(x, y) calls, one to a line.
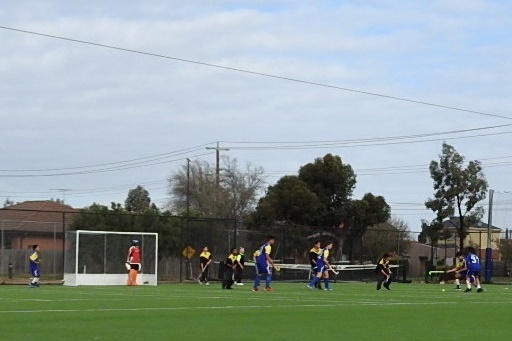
point(188, 252)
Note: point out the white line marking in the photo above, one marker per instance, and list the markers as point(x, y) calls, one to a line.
point(215, 307)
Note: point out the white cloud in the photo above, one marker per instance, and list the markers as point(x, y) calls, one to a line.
point(65, 104)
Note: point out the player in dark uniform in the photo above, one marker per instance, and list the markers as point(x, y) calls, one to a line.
point(383, 272)
point(459, 270)
point(205, 259)
point(313, 254)
point(229, 266)
point(240, 262)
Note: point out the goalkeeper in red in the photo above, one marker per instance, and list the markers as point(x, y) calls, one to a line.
point(264, 264)
point(133, 262)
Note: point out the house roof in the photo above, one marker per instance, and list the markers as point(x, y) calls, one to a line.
point(36, 216)
point(417, 249)
point(453, 222)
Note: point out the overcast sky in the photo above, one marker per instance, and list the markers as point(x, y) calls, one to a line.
point(66, 105)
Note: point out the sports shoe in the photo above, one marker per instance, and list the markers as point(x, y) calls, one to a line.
point(268, 289)
point(255, 289)
point(207, 283)
point(468, 290)
point(328, 289)
point(479, 290)
point(310, 287)
point(239, 283)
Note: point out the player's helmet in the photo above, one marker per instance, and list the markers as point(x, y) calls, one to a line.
point(135, 242)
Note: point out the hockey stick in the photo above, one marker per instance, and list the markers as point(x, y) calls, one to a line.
point(202, 272)
point(431, 272)
point(334, 271)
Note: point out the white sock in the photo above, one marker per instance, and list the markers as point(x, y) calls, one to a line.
point(478, 286)
point(468, 285)
point(457, 282)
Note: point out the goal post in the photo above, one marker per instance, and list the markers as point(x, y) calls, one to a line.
point(99, 257)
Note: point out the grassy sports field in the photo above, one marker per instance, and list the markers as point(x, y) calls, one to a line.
point(353, 311)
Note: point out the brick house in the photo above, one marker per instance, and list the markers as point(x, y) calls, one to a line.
point(35, 222)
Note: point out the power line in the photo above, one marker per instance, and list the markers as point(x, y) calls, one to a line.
point(256, 73)
point(352, 145)
point(94, 171)
point(373, 139)
point(134, 161)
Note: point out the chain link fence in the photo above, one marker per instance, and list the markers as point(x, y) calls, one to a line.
point(181, 240)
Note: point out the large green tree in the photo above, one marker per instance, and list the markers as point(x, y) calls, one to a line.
point(458, 188)
point(290, 200)
point(138, 200)
point(333, 182)
point(321, 195)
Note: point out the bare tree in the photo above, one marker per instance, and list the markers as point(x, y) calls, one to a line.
point(393, 236)
point(234, 196)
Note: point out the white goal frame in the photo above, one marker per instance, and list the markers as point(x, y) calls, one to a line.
point(74, 275)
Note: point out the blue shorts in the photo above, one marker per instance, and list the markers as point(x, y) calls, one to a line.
point(321, 268)
point(34, 271)
point(475, 273)
point(263, 269)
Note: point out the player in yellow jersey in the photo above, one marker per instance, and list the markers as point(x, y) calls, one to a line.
point(264, 264)
point(383, 272)
point(313, 254)
point(35, 270)
point(205, 259)
point(459, 270)
point(323, 266)
point(240, 262)
point(229, 266)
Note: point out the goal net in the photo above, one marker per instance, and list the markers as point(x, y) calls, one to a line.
point(99, 257)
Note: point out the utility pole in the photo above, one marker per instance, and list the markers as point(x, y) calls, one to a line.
point(63, 191)
point(488, 250)
point(217, 161)
point(217, 173)
point(188, 187)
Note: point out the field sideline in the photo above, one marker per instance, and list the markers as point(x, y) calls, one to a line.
point(353, 311)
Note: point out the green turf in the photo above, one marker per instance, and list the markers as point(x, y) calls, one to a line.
point(292, 312)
